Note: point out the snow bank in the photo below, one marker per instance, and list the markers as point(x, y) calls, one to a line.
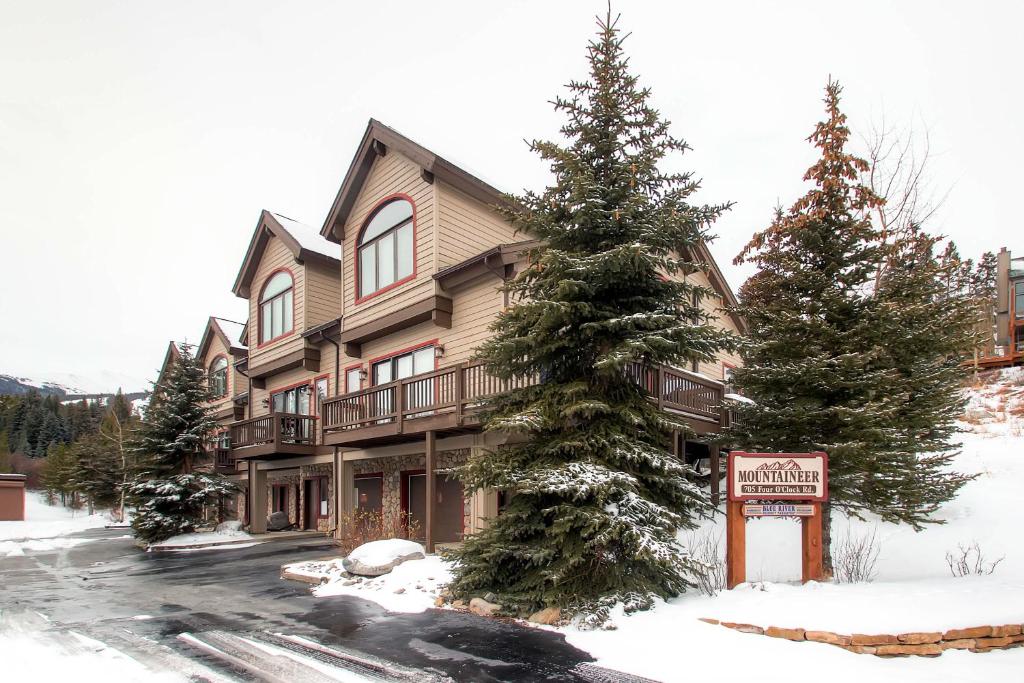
point(44, 527)
point(71, 657)
point(376, 553)
point(226, 537)
point(412, 586)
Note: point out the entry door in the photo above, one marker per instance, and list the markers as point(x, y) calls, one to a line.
point(310, 498)
point(448, 526)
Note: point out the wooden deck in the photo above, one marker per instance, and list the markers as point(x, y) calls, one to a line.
point(448, 401)
point(277, 435)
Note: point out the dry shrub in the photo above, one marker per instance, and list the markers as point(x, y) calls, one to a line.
point(970, 561)
point(705, 547)
point(361, 527)
point(855, 556)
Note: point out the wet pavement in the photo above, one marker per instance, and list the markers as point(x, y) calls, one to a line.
point(112, 591)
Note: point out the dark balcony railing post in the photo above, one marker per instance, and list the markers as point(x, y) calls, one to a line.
point(400, 404)
point(660, 387)
point(459, 377)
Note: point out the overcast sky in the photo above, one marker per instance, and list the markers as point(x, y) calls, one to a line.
point(140, 140)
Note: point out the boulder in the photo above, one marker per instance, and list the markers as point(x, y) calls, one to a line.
point(278, 521)
point(380, 557)
point(481, 607)
point(232, 526)
point(549, 616)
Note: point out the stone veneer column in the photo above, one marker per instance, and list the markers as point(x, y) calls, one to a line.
point(257, 498)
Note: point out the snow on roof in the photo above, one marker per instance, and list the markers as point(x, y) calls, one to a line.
point(308, 238)
point(233, 331)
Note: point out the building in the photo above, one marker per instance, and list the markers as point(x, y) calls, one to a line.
point(355, 369)
point(1009, 337)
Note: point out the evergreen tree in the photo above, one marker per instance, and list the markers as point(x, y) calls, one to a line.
point(170, 497)
point(5, 455)
point(121, 407)
point(834, 365)
point(597, 498)
point(58, 474)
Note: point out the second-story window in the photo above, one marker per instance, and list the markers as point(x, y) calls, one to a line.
point(218, 377)
point(385, 255)
point(276, 307)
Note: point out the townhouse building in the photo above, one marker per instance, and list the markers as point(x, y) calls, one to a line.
point(355, 370)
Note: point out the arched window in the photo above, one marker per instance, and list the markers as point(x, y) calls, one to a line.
point(386, 247)
point(276, 307)
point(218, 377)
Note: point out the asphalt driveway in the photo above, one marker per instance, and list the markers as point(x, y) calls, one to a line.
point(139, 602)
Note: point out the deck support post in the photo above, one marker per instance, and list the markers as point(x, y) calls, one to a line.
point(431, 456)
point(811, 566)
point(715, 465)
point(735, 544)
point(256, 500)
point(343, 492)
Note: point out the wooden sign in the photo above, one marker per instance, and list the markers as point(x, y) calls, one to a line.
point(778, 510)
point(769, 477)
point(778, 476)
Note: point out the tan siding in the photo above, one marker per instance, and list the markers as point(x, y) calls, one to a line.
point(474, 308)
point(467, 227)
point(323, 294)
point(215, 349)
point(291, 378)
point(392, 174)
point(276, 256)
point(713, 306)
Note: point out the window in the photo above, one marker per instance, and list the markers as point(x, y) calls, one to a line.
point(353, 380)
point(217, 378)
point(294, 400)
point(403, 366)
point(321, 392)
point(276, 307)
point(385, 254)
point(1018, 299)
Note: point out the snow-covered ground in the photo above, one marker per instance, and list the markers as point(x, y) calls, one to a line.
point(45, 527)
point(201, 540)
point(912, 590)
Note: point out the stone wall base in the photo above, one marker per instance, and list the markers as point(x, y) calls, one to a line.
point(917, 643)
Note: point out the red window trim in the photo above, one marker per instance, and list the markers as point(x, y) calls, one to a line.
point(360, 297)
point(259, 310)
point(275, 392)
point(316, 379)
point(227, 376)
point(726, 365)
point(409, 349)
point(348, 389)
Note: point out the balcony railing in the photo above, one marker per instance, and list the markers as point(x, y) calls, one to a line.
point(284, 432)
point(459, 391)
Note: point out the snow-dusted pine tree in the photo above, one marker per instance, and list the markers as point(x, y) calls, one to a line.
point(867, 375)
point(595, 496)
point(170, 496)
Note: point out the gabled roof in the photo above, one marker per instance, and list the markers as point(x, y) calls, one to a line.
point(172, 355)
point(303, 241)
point(720, 285)
point(377, 141)
point(228, 331)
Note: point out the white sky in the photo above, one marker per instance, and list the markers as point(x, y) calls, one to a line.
point(139, 140)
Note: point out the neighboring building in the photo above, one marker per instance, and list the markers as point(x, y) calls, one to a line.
point(222, 348)
point(361, 390)
point(1009, 337)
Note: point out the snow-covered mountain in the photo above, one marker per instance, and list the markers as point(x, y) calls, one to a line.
point(73, 384)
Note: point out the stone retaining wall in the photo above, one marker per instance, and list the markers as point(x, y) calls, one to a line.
point(920, 643)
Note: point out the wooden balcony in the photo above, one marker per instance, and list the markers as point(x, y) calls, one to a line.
point(222, 460)
point(276, 435)
point(448, 401)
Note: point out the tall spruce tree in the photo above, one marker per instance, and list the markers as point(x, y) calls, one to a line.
point(596, 496)
point(170, 496)
point(835, 364)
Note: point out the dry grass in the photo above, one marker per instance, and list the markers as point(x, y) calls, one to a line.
point(363, 527)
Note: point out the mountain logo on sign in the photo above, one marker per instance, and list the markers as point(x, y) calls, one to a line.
point(775, 466)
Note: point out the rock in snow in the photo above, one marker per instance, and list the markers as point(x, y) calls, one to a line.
point(380, 557)
point(483, 608)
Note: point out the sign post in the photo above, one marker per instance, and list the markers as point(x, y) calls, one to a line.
point(775, 485)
